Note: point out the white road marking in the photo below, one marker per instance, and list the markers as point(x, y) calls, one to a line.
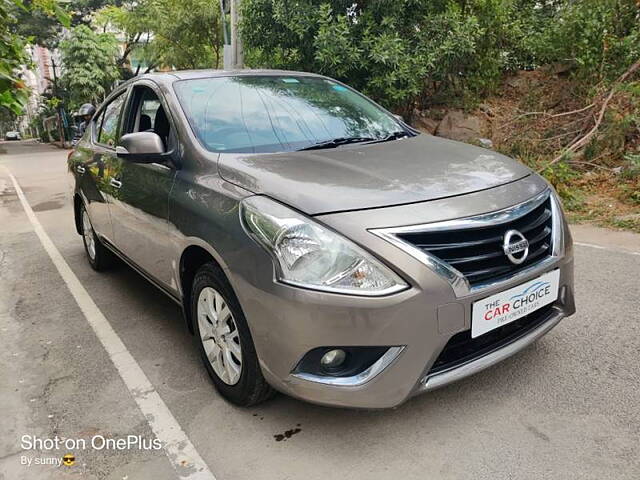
point(610, 249)
point(183, 456)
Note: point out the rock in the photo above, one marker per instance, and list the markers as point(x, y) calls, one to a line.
point(486, 108)
point(516, 82)
point(632, 217)
point(485, 142)
point(426, 124)
point(561, 68)
point(523, 79)
point(458, 126)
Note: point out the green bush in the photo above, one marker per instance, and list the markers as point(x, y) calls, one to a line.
point(403, 52)
point(602, 37)
point(632, 169)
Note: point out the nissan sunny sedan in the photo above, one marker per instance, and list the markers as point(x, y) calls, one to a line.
point(317, 244)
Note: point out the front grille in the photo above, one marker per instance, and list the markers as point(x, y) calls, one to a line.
point(461, 348)
point(477, 252)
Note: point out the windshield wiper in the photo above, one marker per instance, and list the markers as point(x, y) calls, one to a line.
point(393, 136)
point(336, 142)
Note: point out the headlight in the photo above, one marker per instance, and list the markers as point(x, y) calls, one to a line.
point(557, 224)
point(309, 255)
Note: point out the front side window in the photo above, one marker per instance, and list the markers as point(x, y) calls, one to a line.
point(278, 113)
point(149, 115)
point(149, 111)
point(107, 135)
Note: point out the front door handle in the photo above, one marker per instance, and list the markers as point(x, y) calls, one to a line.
point(80, 169)
point(115, 183)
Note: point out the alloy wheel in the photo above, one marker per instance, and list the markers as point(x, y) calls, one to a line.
point(89, 237)
point(219, 336)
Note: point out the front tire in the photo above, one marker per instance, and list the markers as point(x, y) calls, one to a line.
point(100, 257)
point(224, 341)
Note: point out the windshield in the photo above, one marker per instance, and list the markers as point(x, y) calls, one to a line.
point(278, 113)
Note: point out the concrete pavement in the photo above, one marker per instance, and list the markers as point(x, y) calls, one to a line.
point(566, 408)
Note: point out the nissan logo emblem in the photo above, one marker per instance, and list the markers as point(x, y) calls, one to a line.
point(515, 246)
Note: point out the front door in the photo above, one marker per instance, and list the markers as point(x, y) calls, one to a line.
point(140, 207)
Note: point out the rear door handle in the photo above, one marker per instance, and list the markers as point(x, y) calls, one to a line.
point(115, 183)
point(80, 169)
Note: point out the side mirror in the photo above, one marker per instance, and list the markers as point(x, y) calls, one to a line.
point(142, 147)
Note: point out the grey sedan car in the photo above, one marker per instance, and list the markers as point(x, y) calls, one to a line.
point(318, 245)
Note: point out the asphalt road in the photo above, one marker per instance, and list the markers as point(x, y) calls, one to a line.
point(566, 408)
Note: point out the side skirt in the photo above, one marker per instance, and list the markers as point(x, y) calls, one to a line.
point(141, 272)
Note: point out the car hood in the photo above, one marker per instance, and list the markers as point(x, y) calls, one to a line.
point(358, 177)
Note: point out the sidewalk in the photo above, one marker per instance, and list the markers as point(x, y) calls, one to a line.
point(609, 239)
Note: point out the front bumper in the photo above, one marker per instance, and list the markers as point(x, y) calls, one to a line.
point(287, 322)
point(440, 379)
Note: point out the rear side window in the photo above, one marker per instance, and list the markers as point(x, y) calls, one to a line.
point(107, 135)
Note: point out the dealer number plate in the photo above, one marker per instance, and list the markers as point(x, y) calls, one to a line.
point(510, 305)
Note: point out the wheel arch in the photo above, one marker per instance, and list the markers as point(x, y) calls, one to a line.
point(192, 258)
point(77, 210)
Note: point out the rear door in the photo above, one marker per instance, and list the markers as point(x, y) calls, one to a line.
point(98, 169)
point(140, 208)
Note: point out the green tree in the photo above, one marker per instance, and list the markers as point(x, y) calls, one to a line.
point(134, 21)
point(89, 60)
point(13, 92)
point(602, 37)
point(166, 33)
point(408, 52)
point(394, 50)
point(36, 25)
point(36, 22)
point(187, 34)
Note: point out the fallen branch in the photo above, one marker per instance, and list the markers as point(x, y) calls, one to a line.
point(582, 162)
point(555, 137)
point(582, 141)
point(572, 112)
point(515, 119)
point(547, 114)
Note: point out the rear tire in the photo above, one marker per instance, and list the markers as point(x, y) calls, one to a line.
point(224, 341)
point(100, 257)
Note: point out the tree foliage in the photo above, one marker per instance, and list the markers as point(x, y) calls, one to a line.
point(37, 23)
point(403, 51)
point(13, 92)
point(187, 33)
point(89, 60)
point(601, 36)
point(167, 33)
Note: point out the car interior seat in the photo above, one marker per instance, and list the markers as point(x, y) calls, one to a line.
point(145, 123)
point(162, 126)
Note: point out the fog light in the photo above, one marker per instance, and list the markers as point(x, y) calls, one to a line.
point(333, 358)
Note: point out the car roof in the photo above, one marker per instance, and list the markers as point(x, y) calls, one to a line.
point(172, 76)
point(185, 74)
point(169, 77)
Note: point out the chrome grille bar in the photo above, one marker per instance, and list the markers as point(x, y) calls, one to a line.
point(468, 251)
